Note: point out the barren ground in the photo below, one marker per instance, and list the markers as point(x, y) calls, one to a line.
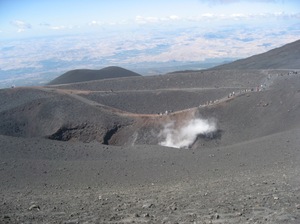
point(249, 174)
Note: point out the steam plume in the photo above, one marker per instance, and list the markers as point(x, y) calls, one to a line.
point(185, 135)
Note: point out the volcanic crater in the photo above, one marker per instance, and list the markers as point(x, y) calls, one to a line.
point(210, 146)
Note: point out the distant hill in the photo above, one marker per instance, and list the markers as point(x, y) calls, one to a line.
point(83, 75)
point(285, 57)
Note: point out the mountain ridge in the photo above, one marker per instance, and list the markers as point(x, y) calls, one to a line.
point(284, 57)
point(84, 75)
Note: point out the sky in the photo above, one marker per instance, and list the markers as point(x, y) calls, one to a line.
point(54, 36)
point(30, 18)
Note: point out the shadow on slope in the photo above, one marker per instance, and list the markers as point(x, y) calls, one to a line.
point(55, 116)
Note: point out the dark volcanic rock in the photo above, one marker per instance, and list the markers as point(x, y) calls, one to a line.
point(285, 57)
point(246, 172)
point(84, 75)
point(54, 115)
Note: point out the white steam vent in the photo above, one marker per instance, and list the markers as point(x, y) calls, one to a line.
point(185, 135)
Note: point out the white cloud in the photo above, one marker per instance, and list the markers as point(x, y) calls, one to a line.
point(242, 16)
point(145, 20)
point(238, 16)
point(95, 23)
point(208, 15)
point(234, 1)
point(58, 27)
point(62, 27)
point(174, 17)
point(152, 19)
point(45, 24)
point(296, 15)
point(284, 15)
point(21, 25)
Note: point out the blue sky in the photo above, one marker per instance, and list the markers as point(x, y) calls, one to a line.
point(29, 18)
